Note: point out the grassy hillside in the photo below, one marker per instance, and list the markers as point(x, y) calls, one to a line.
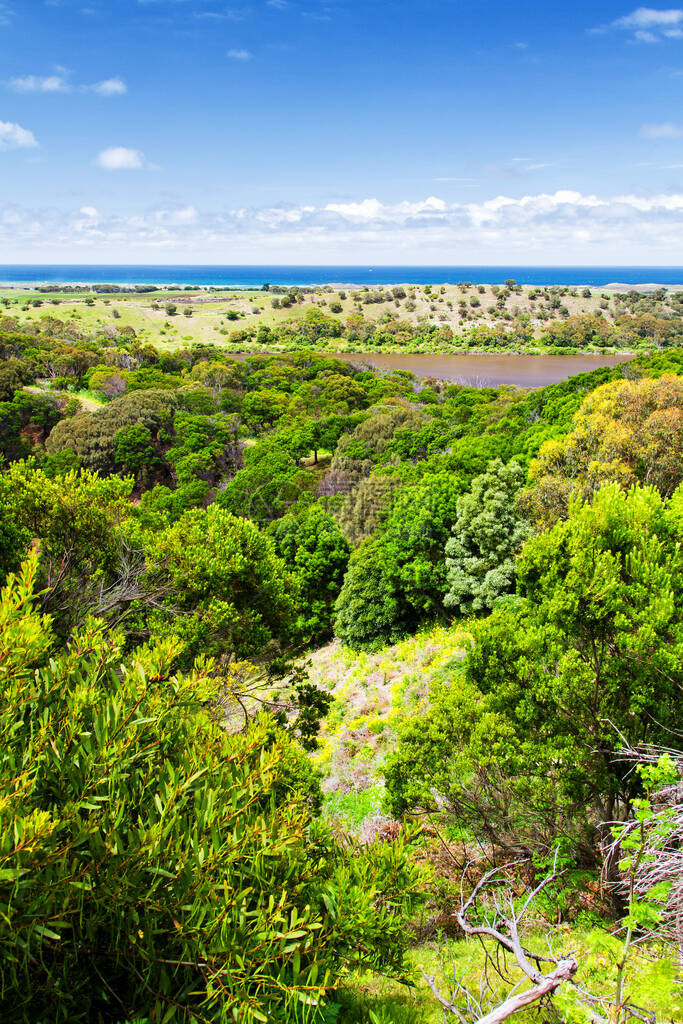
point(169, 318)
point(372, 695)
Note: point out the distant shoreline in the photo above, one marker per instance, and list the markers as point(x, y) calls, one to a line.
point(612, 286)
point(252, 277)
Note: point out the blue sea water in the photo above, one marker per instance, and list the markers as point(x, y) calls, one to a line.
point(256, 276)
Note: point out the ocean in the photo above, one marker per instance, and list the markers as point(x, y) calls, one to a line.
point(257, 276)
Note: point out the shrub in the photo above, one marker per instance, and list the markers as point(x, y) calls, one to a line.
point(313, 548)
point(151, 865)
point(520, 744)
point(396, 580)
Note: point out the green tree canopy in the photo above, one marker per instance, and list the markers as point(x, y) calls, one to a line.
point(480, 555)
point(313, 548)
point(397, 578)
point(79, 522)
point(270, 483)
point(219, 586)
point(627, 431)
point(521, 741)
point(93, 436)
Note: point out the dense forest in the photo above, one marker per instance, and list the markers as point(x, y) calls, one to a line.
point(182, 530)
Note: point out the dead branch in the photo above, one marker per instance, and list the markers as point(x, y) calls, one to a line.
point(504, 929)
point(549, 983)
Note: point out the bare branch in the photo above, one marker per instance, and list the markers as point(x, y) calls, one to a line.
point(548, 984)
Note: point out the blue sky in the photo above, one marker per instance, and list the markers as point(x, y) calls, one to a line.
point(302, 131)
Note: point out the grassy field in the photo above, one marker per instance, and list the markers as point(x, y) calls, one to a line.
point(205, 316)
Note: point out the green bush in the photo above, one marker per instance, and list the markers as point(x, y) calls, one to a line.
point(397, 578)
point(153, 866)
point(519, 744)
point(480, 556)
point(314, 550)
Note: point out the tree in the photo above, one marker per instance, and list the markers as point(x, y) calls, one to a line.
point(134, 449)
point(366, 506)
point(480, 555)
point(152, 866)
point(270, 483)
point(359, 452)
point(26, 421)
point(626, 431)
point(313, 548)
point(396, 579)
point(519, 742)
point(92, 436)
point(79, 522)
point(14, 542)
point(108, 380)
point(12, 376)
point(217, 584)
point(369, 611)
point(263, 408)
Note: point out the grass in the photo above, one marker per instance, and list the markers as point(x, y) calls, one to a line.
point(372, 695)
point(90, 400)
point(209, 322)
point(370, 999)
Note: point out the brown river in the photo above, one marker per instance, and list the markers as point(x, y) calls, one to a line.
point(487, 370)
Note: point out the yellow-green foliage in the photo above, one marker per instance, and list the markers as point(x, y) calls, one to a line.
point(626, 431)
point(651, 982)
point(153, 866)
point(373, 694)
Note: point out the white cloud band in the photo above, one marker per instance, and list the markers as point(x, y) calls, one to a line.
point(560, 227)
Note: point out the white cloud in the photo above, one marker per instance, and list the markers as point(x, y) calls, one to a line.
point(565, 226)
point(650, 24)
point(38, 83)
point(229, 14)
point(177, 218)
point(239, 54)
point(649, 17)
point(529, 164)
point(661, 130)
point(109, 87)
point(118, 158)
point(13, 136)
point(59, 83)
point(372, 209)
